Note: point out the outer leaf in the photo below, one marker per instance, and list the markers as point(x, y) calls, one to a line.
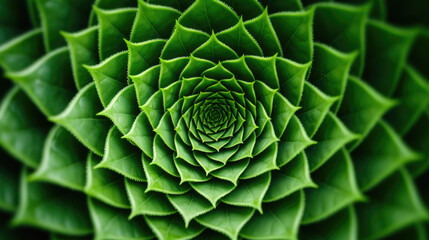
point(264, 162)
point(283, 110)
point(180, 5)
point(337, 188)
point(153, 21)
point(111, 223)
point(291, 178)
point(214, 50)
point(80, 119)
point(190, 205)
point(280, 220)
point(63, 161)
point(189, 173)
point(9, 184)
point(142, 134)
point(146, 84)
point(48, 78)
point(226, 220)
point(248, 9)
point(291, 77)
point(172, 228)
point(294, 31)
point(22, 128)
point(144, 55)
point(213, 190)
point(232, 172)
point(163, 157)
point(122, 157)
point(250, 192)
point(204, 15)
point(280, 6)
point(105, 185)
point(146, 203)
point(64, 213)
point(391, 213)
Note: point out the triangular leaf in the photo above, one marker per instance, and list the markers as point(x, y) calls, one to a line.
point(215, 51)
point(213, 190)
point(142, 134)
point(173, 228)
point(144, 55)
point(190, 205)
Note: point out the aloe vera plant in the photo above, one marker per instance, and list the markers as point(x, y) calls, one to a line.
point(213, 119)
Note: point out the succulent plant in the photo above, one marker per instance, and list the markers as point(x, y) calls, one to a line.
point(213, 119)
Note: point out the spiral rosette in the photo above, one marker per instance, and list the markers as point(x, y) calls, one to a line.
point(213, 119)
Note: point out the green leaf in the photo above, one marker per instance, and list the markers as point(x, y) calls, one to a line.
point(206, 163)
point(154, 109)
point(141, 134)
point(330, 71)
point(289, 179)
point(213, 190)
point(249, 193)
point(110, 4)
point(413, 94)
point(204, 15)
point(48, 78)
point(281, 6)
point(330, 138)
point(55, 16)
point(214, 50)
point(81, 120)
point(22, 128)
point(170, 94)
point(280, 221)
point(153, 22)
point(115, 25)
point(248, 9)
point(122, 157)
point(163, 157)
point(170, 70)
point(394, 205)
point(337, 188)
point(22, 51)
point(239, 68)
point(362, 115)
point(105, 185)
point(263, 32)
point(196, 66)
point(294, 31)
point(262, 163)
point(283, 110)
point(227, 220)
point(146, 84)
point(190, 205)
point(160, 181)
point(146, 203)
point(381, 154)
point(342, 225)
point(63, 161)
point(343, 27)
point(181, 5)
point(83, 51)
point(387, 51)
point(239, 39)
point(9, 184)
point(293, 141)
point(111, 223)
point(218, 72)
point(143, 55)
point(264, 70)
point(110, 76)
point(183, 42)
point(189, 173)
point(265, 139)
point(41, 206)
point(245, 150)
point(172, 228)
point(291, 77)
point(232, 171)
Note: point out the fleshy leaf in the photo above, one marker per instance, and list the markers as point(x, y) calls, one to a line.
point(48, 78)
point(105, 185)
point(189, 173)
point(63, 161)
point(146, 84)
point(173, 228)
point(160, 181)
point(153, 22)
point(81, 120)
point(330, 138)
point(240, 69)
point(291, 178)
point(281, 6)
point(142, 134)
point(294, 31)
point(232, 172)
point(337, 188)
point(280, 221)
point(146, 203)
point(262, 163)
point(83, 51)
point(206, 163)
point(227, 220)
point(22, 128)
point(190, 205)
point(163, 157)
point(109, 76)
point(112, 223)
point(64, 213)
point(247, 8)
point(382, 153)
point(283, 110)
point(391, 213)
point(115, 25)
point(123, 109)
point(9, 184)
point(180, 5)
point(291, 77)
point(144, 55)
point(204, 15)
point(122, 157)
point(264, 69)
point(213, 190)
point(249, 193)
point(215, 51)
